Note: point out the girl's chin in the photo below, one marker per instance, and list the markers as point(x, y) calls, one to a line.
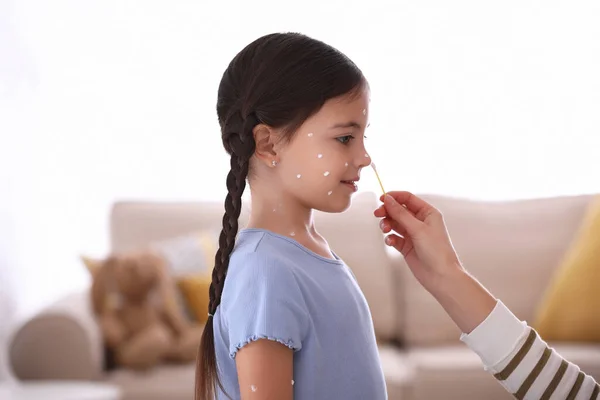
point(337, 204)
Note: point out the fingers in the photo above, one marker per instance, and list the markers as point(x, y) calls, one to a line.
point(396, 242)
point(419, 207)
point(387, 225)
point(380, 212)
point(401, 216)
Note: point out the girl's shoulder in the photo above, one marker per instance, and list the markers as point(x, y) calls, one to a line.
point(260, 254)
point(266, 246)
point(258, 271)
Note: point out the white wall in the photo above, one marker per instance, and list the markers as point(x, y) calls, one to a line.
point(104, 100)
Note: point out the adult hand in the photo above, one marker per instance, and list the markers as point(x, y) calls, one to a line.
point(420, 235)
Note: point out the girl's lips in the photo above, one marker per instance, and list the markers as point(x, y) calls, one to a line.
point(351, 185)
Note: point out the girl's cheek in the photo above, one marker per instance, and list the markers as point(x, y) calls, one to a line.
point(319, 167)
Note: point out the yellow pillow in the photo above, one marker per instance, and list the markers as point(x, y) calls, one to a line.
point(209, 245)
point(194, 290)
point(569, 310)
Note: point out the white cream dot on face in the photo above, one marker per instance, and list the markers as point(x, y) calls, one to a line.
point(329, 193)
point(326, 173)
point(299, 176)
point(310, 134)
point(293, 234)
point(253, 388)
point(366, 155)
point(319, 155)
point(364, 111)
point(293, 382)
point(346, 164)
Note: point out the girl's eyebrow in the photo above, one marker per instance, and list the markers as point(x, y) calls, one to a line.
point(350, 124)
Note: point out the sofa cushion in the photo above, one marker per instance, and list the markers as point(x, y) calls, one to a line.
point(398, 372)
point(173, 382)
point(191, 259)
point(512, 247)
point(134, 225)
point(455, 372)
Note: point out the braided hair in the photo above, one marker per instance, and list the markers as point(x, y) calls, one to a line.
point(278, 80)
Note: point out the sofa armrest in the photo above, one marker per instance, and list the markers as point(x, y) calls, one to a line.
point(61, 342)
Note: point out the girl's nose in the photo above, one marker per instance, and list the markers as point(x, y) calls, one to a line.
point(362, 158)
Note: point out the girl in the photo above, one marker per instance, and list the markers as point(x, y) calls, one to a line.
point(286, 316)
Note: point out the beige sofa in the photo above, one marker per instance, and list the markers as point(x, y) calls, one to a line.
point(512, 247)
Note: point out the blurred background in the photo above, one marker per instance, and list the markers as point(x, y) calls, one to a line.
point(106, 101)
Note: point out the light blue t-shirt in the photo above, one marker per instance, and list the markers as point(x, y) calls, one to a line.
point(278, 289)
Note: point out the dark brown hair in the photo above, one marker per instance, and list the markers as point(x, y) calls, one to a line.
point(279, 80)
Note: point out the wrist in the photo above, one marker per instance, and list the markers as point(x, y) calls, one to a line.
point(447, 280)
point(465, 300)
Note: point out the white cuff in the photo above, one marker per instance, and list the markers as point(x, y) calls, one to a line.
point(496, 337)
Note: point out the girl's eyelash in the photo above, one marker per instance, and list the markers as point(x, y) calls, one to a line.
point(349, 137)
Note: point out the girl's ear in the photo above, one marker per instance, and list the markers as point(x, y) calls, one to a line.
point(265, 138)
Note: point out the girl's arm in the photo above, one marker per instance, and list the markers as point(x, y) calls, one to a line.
point(267, 321)
point(265, 371)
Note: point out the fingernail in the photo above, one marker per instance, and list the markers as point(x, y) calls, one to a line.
point(381, 225)
point(388, 241)
point(389, 199)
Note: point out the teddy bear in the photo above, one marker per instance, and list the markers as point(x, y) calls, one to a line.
point(133, 297)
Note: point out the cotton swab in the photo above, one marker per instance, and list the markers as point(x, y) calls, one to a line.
point(378, 178)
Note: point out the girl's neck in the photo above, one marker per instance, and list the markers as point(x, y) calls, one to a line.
point(276, 212)
point(286, 216)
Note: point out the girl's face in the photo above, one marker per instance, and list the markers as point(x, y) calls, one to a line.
point(321, 165)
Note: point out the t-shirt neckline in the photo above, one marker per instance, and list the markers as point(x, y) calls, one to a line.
point(311, 253)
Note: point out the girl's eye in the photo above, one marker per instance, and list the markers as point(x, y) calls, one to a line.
point(345, 139)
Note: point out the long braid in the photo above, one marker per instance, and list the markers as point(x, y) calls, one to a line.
point(236, 184)
point(241, 145)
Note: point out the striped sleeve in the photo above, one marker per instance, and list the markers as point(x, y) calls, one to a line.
point(523, 363)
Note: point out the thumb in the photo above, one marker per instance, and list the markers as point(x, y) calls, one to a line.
point(400, 214)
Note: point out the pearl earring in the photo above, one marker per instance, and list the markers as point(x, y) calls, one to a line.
point(274, 163)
